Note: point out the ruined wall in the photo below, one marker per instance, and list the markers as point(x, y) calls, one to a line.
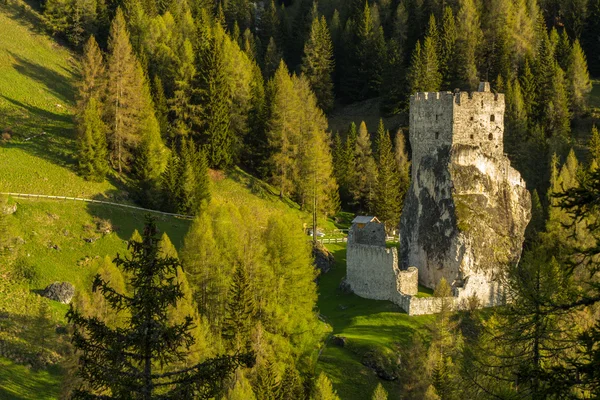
point(408, 281)
point(371, 271)
point(465, 214)
point(372, 234)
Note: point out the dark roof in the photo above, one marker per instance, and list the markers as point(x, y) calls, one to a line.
point(364, 219)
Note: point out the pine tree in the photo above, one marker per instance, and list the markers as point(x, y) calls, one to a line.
point(447, 46)
point(185, 113)
point(193, 184)
point(379, 393)
point(594, 146)
point(370, 54)
point(365, 176)
point(266, 386)
point(468, 39)
point(323, 389)
point(272, 59)
point(130, 361)
point(387, 201)
point(123, 103)
point(290, 387)
point(318, 64)
point(431, 76)
point(217, 135)
point(282, 132)
point(169, 184)
point(93, 79)
point(91, 142)
point(269, 24)
point(557, 116)
point(161, 107)
point(416, 78)
point(347, 180)
point(529, 90)
point(238, 12)
point(239, 317)
point(578, 79)
point(403, 164)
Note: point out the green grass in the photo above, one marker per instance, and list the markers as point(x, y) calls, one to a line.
point(18, 382)
point(368, 325)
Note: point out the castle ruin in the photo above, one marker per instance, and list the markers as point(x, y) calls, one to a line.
point(466, 211)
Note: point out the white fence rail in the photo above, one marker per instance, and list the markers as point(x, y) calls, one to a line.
point(42, 196)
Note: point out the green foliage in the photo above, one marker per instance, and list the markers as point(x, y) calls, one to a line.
point(91, 143)
point(192, 186)
point(425, 73)
point(239, 316)
point(379, 393)
point(323, 389)
point(365, 171)
point(594, 146)
point(467, 45)
point(148, 342)
point(266, 385)
point(290, 386)
point(318, 64)
point(578, 79)
point(387, 201)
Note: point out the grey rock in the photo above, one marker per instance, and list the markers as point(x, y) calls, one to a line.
point(62, 292)
point(339, 341)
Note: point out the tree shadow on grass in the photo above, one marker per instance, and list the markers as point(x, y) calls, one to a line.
point(56, 83)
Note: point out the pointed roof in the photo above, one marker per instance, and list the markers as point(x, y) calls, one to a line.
point(364, 219)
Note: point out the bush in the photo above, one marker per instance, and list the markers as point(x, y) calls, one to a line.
point(24, 271)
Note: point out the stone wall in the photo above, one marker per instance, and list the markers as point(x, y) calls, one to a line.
point(372, 234)
point(408, 281)
point(424, 305)
point(371, 271)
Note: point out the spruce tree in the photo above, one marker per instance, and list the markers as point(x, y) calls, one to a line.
point(416, 78)
point(557, 117)
point(132, 361)
point(239, 317)
point(403, 164)
point(370, 54)
point(169, 184)
point(323, 390)
point(536, 225)
point(217, 135)
point(365, 176)
point(447, 46)
point(468, 40)
point(387, 202)
point(594, 146)
point(185, 113)
point(590, 37)
point(529, 88)
point(123, 104)
point(193, 191)
point(291, 387)
point(269, 24)
point(161, 107)
point(379, 393)
point(272, 59)
point(318, 64)
point(266, 385)
point(92, 155)
point(579, 84)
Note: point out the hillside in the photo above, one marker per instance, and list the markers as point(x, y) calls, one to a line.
point(60, 240)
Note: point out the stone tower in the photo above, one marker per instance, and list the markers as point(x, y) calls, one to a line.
point(466, 211)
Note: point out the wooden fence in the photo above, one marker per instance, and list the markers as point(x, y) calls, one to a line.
point(42, 196)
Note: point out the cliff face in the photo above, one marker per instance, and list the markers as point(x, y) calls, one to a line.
point(464, 219)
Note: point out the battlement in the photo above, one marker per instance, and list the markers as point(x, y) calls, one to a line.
point(443, 119)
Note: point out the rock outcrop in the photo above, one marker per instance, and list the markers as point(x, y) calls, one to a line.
point(466, 211)
point(62, 292)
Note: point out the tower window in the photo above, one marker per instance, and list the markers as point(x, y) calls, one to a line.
point(481, 103)
point(492, 118)
point(437, 135)
point(472, 118)
point(472, 137)
point(491, 137)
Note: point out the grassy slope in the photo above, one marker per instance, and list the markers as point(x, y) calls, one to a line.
point(368, 325)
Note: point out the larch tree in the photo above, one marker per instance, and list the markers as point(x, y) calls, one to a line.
point(184, 112)
point(578, 79)
point(135, 359)
point(291, 386)
point(365, 176)
point(192, 181)
point(93, 75)
point(387, 203)
point(379, 393)
point(123, 103)
point(282, 129)
point(272, 59)
point(318, 63)
point(403, 163)
point(92, 155)
point(594, 146)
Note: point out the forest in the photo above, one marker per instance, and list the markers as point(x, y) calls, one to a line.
point(170, 93)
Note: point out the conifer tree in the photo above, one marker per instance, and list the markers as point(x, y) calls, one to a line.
point(447, 46)
point(193, 191)
point(563, 51)
point(91, 143)
point(238, 12)
point(578, 79)
point(93, 79)
point(594, 146)
point(272, 59)
point(536, 225)
point(161, 107)
point(132, 360)
point(365, 176)
point(169, 183)
point(241, 390)
point(269, 24)
point(266, 386)
point(529, 89)
point(403, 164)
point(217, 135)
point(370, 54)
point(185, 113)
point(123, 104)
point(557, 116)
point(428, 78)
point(282, 130)
point(379, 393)
point(387, 201)
point(468, 39)
point(318, 65)
point(291, 387)
point(323, 389)
point(590, 37)
point(240, 312)
point(347, 180)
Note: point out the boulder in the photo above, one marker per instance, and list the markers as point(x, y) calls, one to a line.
point(339, 341)
point(10, 209)
point(324, 260)
point(62, 292)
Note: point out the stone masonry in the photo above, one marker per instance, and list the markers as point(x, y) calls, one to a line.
point(464, 216)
